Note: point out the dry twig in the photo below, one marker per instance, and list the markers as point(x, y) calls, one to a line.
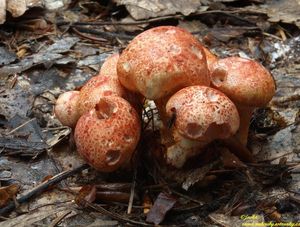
point(42, 187)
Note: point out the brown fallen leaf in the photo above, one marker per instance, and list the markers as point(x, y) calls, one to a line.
point(7, 193)
point(86, 194)
point(161, 206)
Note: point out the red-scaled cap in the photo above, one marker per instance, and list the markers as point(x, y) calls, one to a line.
point(245, 82)
point(162, 60)
point(105, 84)
point(203, 113)
point(107, 135)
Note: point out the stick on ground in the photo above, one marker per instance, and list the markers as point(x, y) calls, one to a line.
point(42, 187)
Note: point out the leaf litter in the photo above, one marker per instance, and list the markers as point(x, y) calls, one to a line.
point(38, 65)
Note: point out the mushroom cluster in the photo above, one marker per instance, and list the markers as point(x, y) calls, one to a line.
point(207, 98)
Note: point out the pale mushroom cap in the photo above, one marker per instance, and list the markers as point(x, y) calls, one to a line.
point(107, 136)
point(66, 108)
point(245, 82)
point(162, 60)
point(105, 84)
point(203, 113)
point(109, 66)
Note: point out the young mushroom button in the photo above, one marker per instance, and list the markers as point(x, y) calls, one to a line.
point(66, 109)
point(247, 83)
point(107, 135)
point(104, 84)
point(203, 114)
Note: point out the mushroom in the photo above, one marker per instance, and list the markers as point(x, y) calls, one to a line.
point(109, 66)
point(104, 84)
point(107, 135)
point(247, 83)
point(66, 108)
point(160, 61)
point(203, 114)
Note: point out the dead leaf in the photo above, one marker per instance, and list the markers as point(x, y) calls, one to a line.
point(24, 137)
point(86, 194)
point(8, 193)
point(285, 11)
point(267, 121)
point(280, 10)
point(196, 175)
point(18, 7)
point(161, 206)
point(48, 56)
point(143, 9)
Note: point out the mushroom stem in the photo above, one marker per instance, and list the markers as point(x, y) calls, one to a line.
point(245, 113)
point(182, 149)
point(238, 149)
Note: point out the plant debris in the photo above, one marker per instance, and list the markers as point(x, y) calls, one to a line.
point(49, 47)
point(17, 8)
point(161, 206)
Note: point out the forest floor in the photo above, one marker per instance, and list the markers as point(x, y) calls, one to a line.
point(43, 181)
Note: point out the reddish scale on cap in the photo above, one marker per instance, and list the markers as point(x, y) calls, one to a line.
point(105, 84)
point(66, 108)
point(203, 113)
point(106, 136)
point(244, 81)
point(161, 60)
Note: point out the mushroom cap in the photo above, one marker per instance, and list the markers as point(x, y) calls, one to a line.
point(109, 66)
point(107, 135)
point(162, 60)
point(203, 113)
point(106, 83)
point(244, 81)
point(66, 108)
